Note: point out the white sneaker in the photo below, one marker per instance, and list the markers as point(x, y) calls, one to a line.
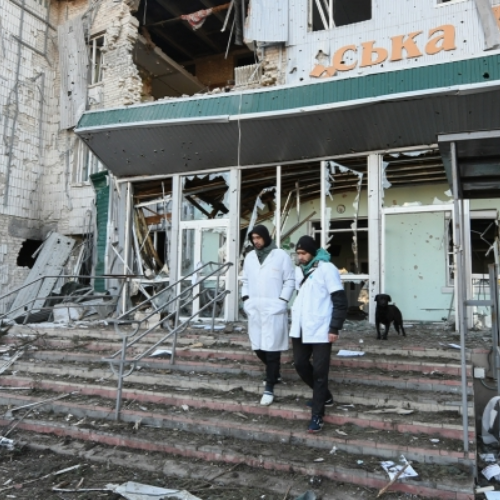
point(267, 399)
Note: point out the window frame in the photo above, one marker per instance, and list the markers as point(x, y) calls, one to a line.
point(473, 215)
point(327, 15)
point(96, 59)
point(85, 163)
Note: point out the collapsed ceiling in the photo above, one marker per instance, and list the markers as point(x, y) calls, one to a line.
point(162, 26)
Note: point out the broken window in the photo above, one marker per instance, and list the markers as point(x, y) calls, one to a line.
point(327, 14)
point(96, 59)
point(205, 197)
point(85, 163)
point(483, 232)
point(152, 226)
point(340, 244)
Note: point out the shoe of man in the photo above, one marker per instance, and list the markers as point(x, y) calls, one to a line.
point(328, 403)
point(267, 398)
point(316, 424)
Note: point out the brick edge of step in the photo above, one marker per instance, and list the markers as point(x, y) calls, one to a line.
point(337, 474)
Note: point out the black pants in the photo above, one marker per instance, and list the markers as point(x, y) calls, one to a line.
point(272, 360)
point(314, 374)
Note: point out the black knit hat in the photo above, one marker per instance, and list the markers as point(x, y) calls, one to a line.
point(262, 232)
point(308, 244)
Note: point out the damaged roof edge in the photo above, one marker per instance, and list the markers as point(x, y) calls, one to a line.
point(157, 123)
point(457, 76)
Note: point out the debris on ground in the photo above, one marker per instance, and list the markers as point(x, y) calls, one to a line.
point(308, 495)
point(137, 491)
point(347, 353)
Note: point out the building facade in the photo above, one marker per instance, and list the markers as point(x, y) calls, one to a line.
point(311, 117)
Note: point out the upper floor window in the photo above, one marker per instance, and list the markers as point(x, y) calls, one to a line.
point(327, 14)
point(96, 59)
point(85, 163)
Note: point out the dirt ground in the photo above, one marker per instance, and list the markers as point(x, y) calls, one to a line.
point(27, 474)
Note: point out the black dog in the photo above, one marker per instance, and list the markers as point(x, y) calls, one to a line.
point(385, 314)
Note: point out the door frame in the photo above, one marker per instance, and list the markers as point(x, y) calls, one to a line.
point(416, 210)
point(199, 226)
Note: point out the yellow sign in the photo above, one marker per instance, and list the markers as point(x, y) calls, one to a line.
point(402, 47)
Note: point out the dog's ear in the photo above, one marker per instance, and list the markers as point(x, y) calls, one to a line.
point(376, 298)
point(389, 298)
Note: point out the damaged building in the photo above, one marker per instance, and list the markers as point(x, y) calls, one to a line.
point(155, 134)
point(141, 142)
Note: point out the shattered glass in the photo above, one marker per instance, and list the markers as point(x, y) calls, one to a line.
point(205, 197)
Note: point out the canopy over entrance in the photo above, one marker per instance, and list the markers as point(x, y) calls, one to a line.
point(478, 163)
point(294, 124)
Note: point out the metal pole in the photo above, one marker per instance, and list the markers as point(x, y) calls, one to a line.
point(175, 234)
point(330, 14)
point(459, 287)
point(126, 244)
point(323, 204)
point(231, 302)
point(120, 380)
point(494, 322)
point(176, 325)
point(214, 305)
point(277, 212)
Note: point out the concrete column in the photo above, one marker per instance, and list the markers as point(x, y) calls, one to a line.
point(375, 197)
point(233, 244)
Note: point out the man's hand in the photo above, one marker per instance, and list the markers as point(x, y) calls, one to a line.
point(333, 337)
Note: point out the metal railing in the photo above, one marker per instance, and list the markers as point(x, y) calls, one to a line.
point(25, 312)
point(171, 308)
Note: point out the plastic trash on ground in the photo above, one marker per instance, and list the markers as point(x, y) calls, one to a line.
point(393, 469)
point(347, 353)
point(137, 491)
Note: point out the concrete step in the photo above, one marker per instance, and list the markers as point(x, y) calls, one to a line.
point(376, 419)
point(164, 375)
point(79, 336)
point(428, 366)
point(431, 379)
point(364, 469)
point(205, 407)
point(264, 428)
point(213, 389)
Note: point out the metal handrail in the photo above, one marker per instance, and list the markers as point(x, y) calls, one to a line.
point(174, 313)
point(25, 309)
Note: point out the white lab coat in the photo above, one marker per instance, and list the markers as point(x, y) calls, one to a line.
point(265, 285)
point(312, 308)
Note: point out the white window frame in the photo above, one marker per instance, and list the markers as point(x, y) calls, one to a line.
point(325, 9)
point(85, 164)
point(486, 214)
point(96, 59)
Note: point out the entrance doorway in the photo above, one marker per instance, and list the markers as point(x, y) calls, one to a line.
point(200, 243)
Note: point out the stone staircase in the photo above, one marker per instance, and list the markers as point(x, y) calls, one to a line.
point(397, 399)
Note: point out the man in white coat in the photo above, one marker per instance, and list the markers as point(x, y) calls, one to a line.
point(268, 283)
point(318, 314)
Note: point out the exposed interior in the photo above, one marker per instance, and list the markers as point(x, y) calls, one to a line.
point(176, 56)
point(344, 12)
point(205, 212)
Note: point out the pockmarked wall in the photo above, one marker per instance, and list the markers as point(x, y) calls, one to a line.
point(399, 35)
